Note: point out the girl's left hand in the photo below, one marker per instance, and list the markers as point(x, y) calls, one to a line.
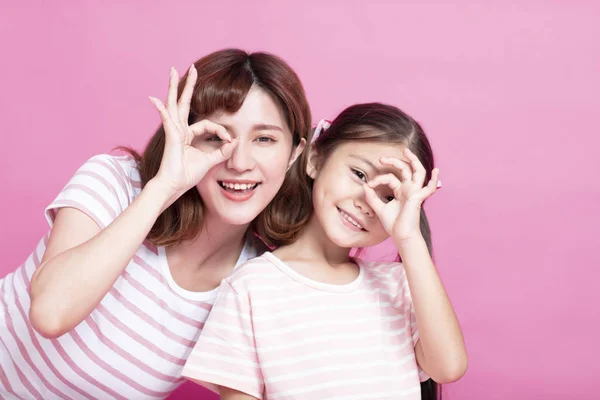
point(401, 216)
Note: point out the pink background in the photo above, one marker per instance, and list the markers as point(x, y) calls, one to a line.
point(508, 92)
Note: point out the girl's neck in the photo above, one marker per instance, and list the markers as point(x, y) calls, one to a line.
point(313, 244)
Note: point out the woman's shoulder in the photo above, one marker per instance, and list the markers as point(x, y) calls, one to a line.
point(118, 170)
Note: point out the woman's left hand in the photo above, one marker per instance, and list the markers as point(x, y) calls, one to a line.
point(401, 216)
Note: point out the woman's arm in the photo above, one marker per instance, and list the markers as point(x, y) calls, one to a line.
point(82, 262)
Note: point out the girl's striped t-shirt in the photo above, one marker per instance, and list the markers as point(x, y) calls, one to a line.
point(276, 334)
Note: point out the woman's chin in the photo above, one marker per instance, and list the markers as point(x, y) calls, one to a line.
point(237, 219)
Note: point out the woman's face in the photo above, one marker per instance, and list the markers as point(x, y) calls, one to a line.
point(237, 190)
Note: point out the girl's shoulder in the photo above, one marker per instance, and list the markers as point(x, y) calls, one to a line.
point(382, 268)
point(387, 276)
point(254, 271)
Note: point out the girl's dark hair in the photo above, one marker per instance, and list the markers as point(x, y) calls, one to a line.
point(376, 122)
point(224, 79)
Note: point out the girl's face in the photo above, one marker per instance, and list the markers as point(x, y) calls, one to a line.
point(338, 194)
point(237, 190)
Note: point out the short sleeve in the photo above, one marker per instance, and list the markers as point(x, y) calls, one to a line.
point(225, 354)
point(99, 188)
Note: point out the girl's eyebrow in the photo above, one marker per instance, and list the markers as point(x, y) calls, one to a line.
point(366, 161)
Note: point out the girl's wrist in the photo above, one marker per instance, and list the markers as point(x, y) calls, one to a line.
point(408, 243)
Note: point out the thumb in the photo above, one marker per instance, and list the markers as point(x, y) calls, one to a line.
point(373, 200)
point(223, 153)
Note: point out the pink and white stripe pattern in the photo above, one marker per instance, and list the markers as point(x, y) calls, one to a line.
point(134, 344)
point(275, 334)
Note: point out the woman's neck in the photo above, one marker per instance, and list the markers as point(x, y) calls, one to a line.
point(216, 242)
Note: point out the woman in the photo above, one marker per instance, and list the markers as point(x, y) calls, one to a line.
point(120, 287)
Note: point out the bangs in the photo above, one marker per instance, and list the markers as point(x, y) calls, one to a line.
point(223, 90)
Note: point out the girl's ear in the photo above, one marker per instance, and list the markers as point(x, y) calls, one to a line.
point(313, 162)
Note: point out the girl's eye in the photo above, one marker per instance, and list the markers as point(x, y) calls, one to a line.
point(359, 174)
point(265, 139)
point(389, 198)
point(213, 138)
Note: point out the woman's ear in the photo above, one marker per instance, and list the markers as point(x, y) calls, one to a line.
point(296, 152)
point(313, 162)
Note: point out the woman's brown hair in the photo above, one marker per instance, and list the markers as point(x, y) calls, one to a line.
point(224, 79)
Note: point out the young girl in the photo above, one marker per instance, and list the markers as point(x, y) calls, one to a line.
point(308, 321)
point(112, 300)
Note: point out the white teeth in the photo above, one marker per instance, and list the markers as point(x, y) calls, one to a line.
point(238, 186)
point(351, 220)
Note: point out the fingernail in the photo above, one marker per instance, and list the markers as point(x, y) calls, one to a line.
point(439, 185)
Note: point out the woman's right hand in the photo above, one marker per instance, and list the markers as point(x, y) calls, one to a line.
point(85, 259)
point(183, 166)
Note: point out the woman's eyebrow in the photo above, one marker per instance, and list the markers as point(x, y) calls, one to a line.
point(266, 127)
point(257, 127)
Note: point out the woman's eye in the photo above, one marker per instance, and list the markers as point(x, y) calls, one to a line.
point(360, 175)
point(389, 198)
point(213, 138)
point(265, 139)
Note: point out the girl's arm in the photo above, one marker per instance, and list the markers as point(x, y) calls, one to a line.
point(82, 262)
point(232, 394)
point(440, 351)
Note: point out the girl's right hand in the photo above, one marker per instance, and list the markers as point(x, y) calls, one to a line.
point(183, 166)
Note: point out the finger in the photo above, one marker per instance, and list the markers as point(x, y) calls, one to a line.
point(172, 94)
point(186, 95)
point(389, 180)
point(164, 116)
point(419, 171)
point(403, 166)
point(205, 126)
point(223, 153)
point(433, 185)
point(373, 200)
